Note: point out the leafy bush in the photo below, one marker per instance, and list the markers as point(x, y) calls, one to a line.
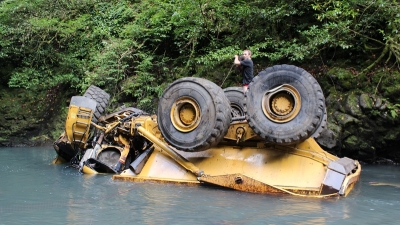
point(135, 48)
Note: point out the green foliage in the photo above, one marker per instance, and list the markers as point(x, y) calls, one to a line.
point(369, 27)
point(133, 49)
point(394, 110)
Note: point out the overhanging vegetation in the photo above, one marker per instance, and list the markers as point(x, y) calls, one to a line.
point(133, 49)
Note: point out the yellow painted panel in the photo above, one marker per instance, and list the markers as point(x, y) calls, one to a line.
point(271, 166)
point(160, 166)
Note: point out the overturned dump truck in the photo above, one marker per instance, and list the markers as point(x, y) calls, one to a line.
point(261, 141)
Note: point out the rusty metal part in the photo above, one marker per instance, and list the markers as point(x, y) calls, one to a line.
point(155, 180)
point(240, 131)
point(240, 182)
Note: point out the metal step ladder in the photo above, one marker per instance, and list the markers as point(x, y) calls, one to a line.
point(81, 126)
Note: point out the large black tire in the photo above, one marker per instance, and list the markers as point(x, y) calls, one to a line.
point(289, 123)
point(321, 126)
point(235, 96)
point(193, 114)
point(101, 97)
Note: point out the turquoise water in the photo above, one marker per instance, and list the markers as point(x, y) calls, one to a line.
point(33, 191)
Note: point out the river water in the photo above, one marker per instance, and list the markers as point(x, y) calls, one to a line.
point(33, 191)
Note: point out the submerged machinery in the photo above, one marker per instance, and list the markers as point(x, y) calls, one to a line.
point(261, 141)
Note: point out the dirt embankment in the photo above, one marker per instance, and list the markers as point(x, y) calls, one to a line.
point(31, 117)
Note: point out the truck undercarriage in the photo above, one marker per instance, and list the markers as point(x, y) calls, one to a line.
point(261, 141)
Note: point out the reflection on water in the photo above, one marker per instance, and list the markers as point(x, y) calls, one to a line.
point(33, 191)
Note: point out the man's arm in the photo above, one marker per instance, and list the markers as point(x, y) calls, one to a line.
point(236, 62)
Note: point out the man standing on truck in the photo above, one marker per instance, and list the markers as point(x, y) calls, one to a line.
point(247, 70)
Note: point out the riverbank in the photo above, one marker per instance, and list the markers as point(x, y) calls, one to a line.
point(362, 118)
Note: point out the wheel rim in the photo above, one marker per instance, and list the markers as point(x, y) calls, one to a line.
point(109, 157)
point(281, 104)
point(236, 111)
point(185, 114)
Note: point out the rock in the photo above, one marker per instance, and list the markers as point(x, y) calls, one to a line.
point(384, 161)
point(392, 135)
point(352, 105)
point(351, 143)
point(345, 119)
point(330, 136)
point(378, 102)
point(365, 102)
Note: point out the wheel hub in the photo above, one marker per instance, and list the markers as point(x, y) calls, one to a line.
point(281, 104)
point(185, 114)
point(236, 111)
